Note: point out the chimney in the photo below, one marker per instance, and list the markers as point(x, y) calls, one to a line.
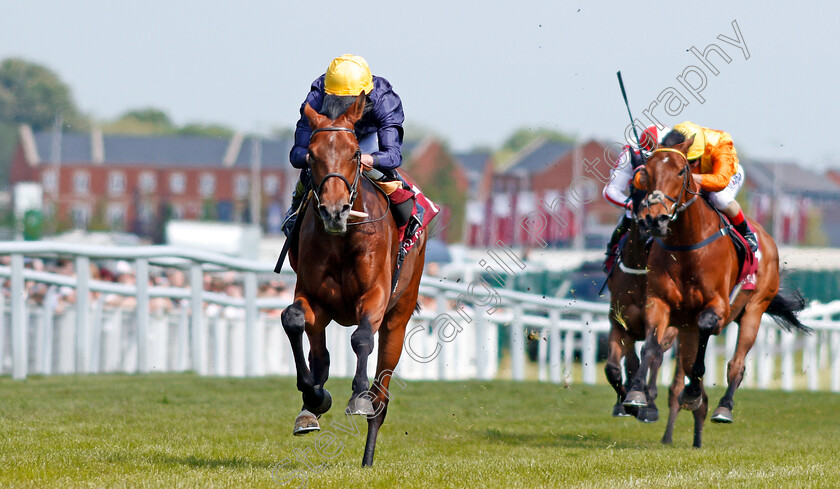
point(97, 146)
point(232, 152)
point(27, 141)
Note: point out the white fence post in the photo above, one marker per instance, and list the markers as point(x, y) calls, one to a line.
point(142, 315)
point(588, 349)
point(517, 344)
point(250, 323)
point(20, 350)
point(199, 326)
point(82, 362)
point(555, 368)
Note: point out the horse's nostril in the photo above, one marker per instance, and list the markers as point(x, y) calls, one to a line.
point(322, 209)
point(345, 208)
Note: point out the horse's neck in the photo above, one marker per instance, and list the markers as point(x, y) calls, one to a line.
point(696, 223)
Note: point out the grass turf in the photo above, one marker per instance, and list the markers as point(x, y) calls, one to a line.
point(189, 431)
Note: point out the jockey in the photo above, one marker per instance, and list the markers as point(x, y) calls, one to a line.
point(379, 132)
point(715, 167)
point(617, 189)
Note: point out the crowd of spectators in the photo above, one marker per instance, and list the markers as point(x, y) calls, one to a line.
point(229, 283)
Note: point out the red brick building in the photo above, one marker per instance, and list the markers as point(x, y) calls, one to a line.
point(134, 183)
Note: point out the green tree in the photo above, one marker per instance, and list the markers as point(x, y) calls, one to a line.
point(33, 94)
point(207, 130)
point(141, 121)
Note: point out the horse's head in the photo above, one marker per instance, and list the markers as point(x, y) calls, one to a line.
point(335, 162)
point(667, 180)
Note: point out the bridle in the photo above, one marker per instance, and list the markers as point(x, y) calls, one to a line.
point(353, 188)
point(659, 197)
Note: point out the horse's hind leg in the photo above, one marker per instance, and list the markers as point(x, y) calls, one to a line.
point(747, 331)
point(692, 397)
point(674, 391)
point(316, 400)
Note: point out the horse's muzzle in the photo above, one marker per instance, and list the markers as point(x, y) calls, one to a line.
point(334, 217)
point(656, 225)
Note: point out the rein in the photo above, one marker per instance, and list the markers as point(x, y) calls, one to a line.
point(352, 188)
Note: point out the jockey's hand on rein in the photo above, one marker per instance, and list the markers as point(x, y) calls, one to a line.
point(367, 162)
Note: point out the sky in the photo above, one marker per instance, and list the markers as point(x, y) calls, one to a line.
point(472, 72)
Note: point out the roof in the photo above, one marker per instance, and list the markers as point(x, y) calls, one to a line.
point(792, 179)
point(473, 162)
point(184, 151)
point(538, 155)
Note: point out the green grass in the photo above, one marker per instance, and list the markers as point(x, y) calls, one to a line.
point(188, 431)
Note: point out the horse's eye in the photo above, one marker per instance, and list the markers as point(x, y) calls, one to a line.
point(682, 172)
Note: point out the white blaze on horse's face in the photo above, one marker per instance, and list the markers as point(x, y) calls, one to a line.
point(665, 183)
point(334, 160)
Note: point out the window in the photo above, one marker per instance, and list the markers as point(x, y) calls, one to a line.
point(270, 185)
point(116, 183)
point(241, 186)
point(81, 215)
point(48, 181)
point(81, 182)
point(146, 212)
point(207, 184)
point(147, 182)
point(177, 183)
point(176, 211)
point(115, 215)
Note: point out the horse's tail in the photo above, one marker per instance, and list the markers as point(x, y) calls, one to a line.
point(784, 308)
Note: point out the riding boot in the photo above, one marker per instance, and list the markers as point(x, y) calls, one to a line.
point(748, 234)
point(291, 214)
point(612, 246)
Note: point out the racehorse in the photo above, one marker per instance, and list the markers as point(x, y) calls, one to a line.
point(344, 273)
point(627, 284)
point(691, 274)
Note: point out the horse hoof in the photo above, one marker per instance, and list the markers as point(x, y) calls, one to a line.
point(306, 422)
point(636, 399)
point(620, 412)
point(361, 406)
point(648, 415)
point(690, 403)
point(722, 415)
point(325, 406)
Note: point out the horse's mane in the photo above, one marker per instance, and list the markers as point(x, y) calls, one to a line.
point(672, 139)
point(336, 105)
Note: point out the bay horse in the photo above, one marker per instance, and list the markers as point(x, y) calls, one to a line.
point(344, 275)
point(627, 284)
point(691, 274)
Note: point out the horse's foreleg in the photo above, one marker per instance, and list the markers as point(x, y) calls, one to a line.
point(362, 342)
point(747, 331)
point(295, 319)
point(619, 344)
point(657, 316)
point(390, 350)
point(700, 417)
point(707, 322)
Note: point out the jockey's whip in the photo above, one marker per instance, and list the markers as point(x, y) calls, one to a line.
point(632, 123)
point(292, 235)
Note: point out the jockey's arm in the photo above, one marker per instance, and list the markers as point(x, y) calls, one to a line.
point(300, 149)
point(620, 177)
point(724, 166)
point(389, 116)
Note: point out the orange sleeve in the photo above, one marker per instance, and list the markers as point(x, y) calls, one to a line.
point(723, 167)
point(636, 180)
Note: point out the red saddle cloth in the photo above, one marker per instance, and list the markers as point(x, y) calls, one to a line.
point(422, 206)
point(749, 265)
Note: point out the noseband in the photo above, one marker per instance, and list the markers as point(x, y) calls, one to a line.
point(352, 188)
point(659, 197)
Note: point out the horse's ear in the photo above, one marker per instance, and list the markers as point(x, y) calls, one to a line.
point(315, 119)
point(683, 146)
point(354, 113)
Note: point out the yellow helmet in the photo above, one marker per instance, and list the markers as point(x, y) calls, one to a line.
point(348, 75)
point(698, 147)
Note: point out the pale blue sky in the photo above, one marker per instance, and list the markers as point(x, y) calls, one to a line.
point(471, 71)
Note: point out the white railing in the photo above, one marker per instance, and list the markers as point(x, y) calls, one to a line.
point(458, 334)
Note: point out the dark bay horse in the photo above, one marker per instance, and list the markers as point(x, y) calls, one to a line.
point(344, 272)
point(690, 276)
point(627, 284)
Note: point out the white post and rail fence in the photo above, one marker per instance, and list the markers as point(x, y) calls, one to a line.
point(459, 334)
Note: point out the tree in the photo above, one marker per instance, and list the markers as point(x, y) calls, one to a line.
point(33, 94)
point(148, 120)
